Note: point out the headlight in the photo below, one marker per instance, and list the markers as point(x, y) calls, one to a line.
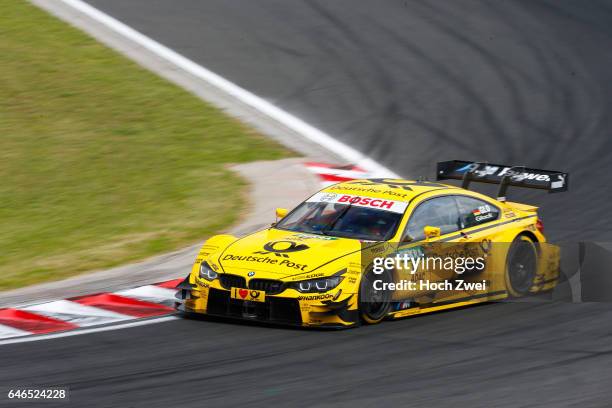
point(318, 285)
point(206, 272)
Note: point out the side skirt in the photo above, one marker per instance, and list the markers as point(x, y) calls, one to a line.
point(435, 307)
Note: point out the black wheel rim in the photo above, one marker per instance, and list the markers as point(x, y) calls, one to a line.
point(522, 267)
point(375, 302)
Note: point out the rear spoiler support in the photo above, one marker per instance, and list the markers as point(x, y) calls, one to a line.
point(505, 176)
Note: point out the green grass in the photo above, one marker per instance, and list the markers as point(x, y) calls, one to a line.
point(101, 161)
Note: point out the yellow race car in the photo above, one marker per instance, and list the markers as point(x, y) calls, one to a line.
point(364, 250)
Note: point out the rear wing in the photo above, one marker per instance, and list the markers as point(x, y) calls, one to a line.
point(517, 176)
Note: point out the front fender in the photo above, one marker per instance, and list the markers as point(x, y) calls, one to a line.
point(211, 246)
point(218, 241)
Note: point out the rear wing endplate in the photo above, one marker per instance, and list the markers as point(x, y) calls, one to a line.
point(517, 176)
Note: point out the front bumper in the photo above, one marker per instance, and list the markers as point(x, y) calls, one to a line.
point(333, 309)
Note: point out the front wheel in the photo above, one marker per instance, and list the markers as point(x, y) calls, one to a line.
point(374, 304)
point(521, 266)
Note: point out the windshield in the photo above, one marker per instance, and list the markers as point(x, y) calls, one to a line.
point(342, 220)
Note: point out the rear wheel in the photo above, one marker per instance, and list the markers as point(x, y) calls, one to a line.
point(521, 266)
point(374, 304)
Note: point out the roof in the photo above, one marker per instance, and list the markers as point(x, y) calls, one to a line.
point(390, 189)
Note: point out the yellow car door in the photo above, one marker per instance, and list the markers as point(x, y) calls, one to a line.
point(479, 221)
point(433, 221)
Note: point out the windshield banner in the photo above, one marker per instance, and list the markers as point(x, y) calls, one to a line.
point(370, 202)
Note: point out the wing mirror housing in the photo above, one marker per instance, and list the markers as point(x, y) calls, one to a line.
point(281, 213)
point(431, 232)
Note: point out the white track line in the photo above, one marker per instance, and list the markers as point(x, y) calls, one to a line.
point(297, 125)
point(8, 331)
point(77, 332)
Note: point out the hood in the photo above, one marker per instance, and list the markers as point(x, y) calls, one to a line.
point(281, 253)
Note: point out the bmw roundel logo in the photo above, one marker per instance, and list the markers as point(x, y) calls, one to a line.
point(328, 197)
point(251, 273)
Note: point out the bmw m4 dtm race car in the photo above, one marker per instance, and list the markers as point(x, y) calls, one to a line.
point(359, 251)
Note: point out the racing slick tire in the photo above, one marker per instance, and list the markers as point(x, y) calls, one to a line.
point(374, 305)
point(521, 266)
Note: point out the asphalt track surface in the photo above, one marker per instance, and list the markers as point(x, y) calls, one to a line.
point(410, 83)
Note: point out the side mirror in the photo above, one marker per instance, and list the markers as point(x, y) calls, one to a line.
point(431, 232)
point(281, 213)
